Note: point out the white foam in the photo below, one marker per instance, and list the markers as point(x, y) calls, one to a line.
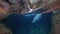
point(36, 18)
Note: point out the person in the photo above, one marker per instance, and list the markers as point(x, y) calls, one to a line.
point(29, 23)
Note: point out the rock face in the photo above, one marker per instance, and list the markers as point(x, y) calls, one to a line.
point(56, 22)
point(4, 9)
point(4, 30)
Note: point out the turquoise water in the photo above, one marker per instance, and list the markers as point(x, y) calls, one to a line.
point(30, 23)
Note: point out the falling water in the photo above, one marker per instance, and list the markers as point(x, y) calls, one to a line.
point(37, 17)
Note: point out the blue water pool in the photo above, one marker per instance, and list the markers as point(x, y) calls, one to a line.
point(29, 23)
